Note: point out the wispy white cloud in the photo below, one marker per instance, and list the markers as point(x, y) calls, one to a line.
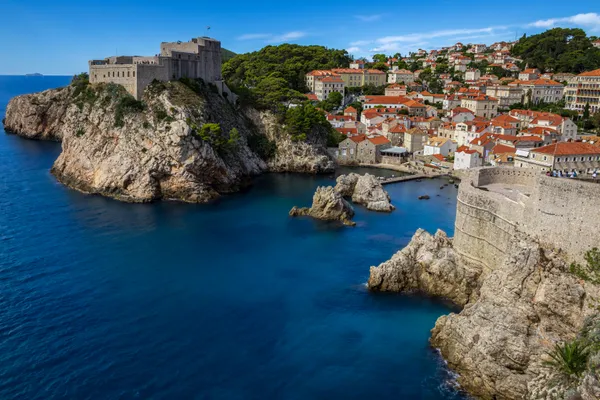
point(360, 43)
point(353, 50)
point(287, 36)
point(417, 37)
point(591, 20)
point(368, 18)
point(254, 36)
point(273, 38)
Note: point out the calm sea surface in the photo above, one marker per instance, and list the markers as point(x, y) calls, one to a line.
point(232, 300)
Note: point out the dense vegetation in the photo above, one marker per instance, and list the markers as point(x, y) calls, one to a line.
point(302, 121)
point(558, 50)
point(276, 74)
point(226, 55)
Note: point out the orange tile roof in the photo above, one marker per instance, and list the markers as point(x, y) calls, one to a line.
point(377, 140)
point(439, 157)
point(358, 138)
point(505, 119)
point(568, 148)
point(333, 79)
point(501, 148)
point(347, 131)
point(386, 100)
point(312, 96)
point(350, 109)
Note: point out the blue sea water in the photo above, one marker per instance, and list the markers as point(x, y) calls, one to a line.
point(231, 300)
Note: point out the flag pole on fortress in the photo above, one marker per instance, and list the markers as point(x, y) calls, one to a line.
point(207, 29)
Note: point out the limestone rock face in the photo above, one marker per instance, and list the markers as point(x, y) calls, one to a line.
point(307, 157)
point(428, 264)
point(365, 190)
point(37, 116)
point(150, 151)
point(512, 315)
point(327, 205)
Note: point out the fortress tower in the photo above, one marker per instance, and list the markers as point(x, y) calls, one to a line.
point(198, 58)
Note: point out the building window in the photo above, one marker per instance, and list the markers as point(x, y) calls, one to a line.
point(134, 74)
point(128, 74)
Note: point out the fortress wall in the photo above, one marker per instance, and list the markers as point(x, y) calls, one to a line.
point(560, 213)
point(511, 176)
point(485, 225)
point(122, 74)
point(563, 213)
point(146, 74)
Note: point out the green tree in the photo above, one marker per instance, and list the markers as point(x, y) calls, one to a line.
point(586, 111)
point(380, 58)
point(380, 66)
point(335, 98)
point(558, 50)
point(284, 67)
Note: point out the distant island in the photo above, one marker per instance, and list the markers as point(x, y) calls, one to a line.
point(34, 74)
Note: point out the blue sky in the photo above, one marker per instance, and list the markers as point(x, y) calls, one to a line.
point(58, 37)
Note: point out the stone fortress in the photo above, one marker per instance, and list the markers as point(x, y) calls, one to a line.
point(198, 58)
point(494, 204)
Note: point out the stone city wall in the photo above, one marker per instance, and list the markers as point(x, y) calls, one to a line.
point(559, 213)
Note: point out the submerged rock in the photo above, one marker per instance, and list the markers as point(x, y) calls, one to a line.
point(424, 197)
point(327, 205)
point(366, 190)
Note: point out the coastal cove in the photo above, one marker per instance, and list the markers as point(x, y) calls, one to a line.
point(228, 300)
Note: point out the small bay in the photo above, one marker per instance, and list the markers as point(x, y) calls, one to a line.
point(229, 300)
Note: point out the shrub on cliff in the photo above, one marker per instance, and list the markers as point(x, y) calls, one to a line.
point(125, 105)
point(569, 359)
point(591, 271)
point(262, 146)
point(303, 121)
point(213, 135)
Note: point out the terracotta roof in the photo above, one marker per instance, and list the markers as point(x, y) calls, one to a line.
point(414, 104)
point(398, 129)
point(540, 130)
point(350, 109)
point(501, 148)
point(377, 140)
point(568, 148)
point(505, 119)
point(312, 96)
point(333, 79)
point(537, 82)
point(358, 138)
point(386, 100)
point(439, 157)
point(465, 149)
point(347, 131)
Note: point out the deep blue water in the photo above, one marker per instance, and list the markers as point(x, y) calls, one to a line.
point(232, 300)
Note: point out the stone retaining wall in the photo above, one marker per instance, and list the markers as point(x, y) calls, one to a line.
point(559, 213)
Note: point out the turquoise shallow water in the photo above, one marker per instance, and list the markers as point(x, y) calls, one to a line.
point(232, 300)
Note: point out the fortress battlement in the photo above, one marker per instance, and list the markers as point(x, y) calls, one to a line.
point(198, 58)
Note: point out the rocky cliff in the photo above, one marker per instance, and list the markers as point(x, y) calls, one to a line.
point(366, 190)
point(182, 141)
point(518, 295)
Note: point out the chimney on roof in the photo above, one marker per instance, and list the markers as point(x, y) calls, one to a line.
point(554, 141)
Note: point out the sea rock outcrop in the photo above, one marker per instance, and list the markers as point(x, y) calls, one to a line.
point(327, 205)
point(428, 264)
point(365, 190)
point(157, 148)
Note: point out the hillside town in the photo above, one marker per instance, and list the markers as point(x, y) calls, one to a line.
point(461, 107)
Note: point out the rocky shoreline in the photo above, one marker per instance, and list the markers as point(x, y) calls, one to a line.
point(158, 148)
point(513, 310)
